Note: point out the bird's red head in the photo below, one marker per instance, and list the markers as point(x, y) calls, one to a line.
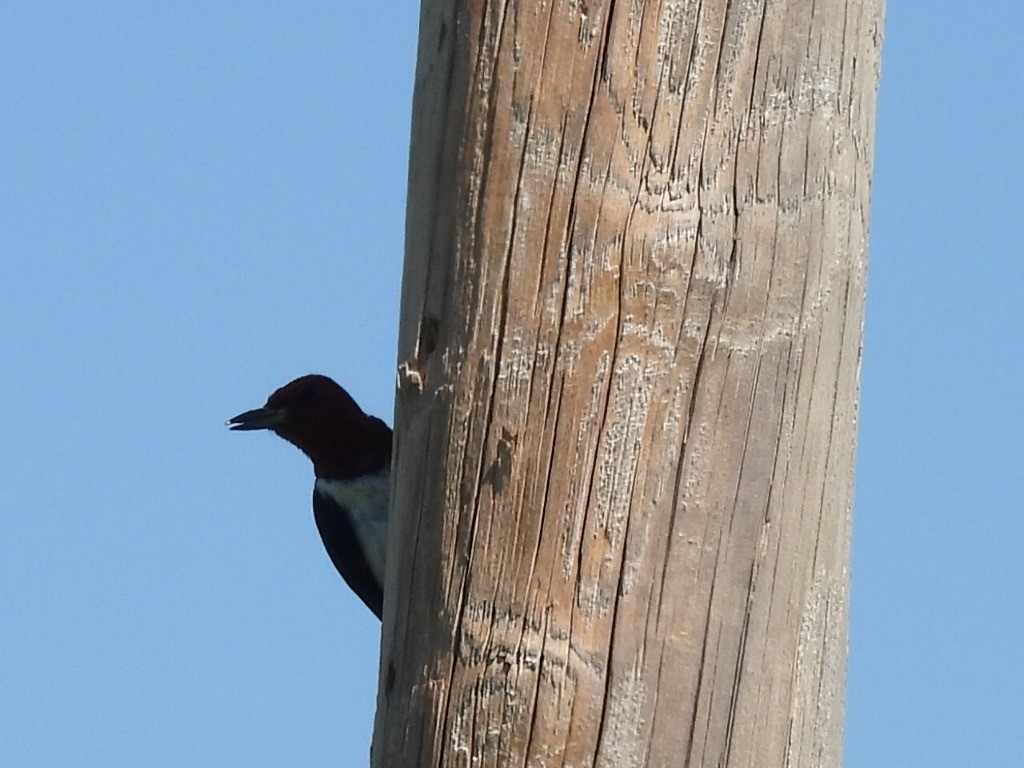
point(321, 419)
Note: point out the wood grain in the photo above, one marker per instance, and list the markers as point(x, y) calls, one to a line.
point(629, 355)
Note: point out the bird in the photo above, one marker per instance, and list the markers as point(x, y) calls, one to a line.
point(351, 455)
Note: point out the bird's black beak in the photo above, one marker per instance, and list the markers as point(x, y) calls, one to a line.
point(260, 418)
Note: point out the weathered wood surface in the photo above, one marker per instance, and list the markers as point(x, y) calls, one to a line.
point(630, 344)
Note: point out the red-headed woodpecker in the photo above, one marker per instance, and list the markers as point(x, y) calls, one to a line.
point(351, 455)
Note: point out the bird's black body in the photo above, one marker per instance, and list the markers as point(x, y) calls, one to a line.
point(344, 548)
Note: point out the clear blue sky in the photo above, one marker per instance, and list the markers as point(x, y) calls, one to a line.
point(201, 201)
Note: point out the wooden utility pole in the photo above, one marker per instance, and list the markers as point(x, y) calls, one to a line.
point(630, 344)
